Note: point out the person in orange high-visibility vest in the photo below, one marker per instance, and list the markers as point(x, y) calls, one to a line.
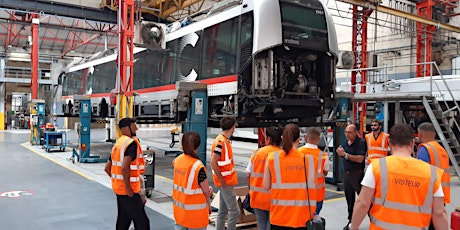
point(224, 175)
point(377, 142)
point(430, 151)
point(191, 190)
point(287, 175)
point(313, 138)
point(260, 197)
point(406, 193)
point(124, 168)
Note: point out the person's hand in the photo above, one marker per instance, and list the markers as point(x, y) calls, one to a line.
point(210, 190)
point(209, 209)
point(130, 192)
point(224, 184)
point(340, 151)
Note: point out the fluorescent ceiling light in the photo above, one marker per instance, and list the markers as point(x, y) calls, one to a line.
point(100, 61)
point(19, 55)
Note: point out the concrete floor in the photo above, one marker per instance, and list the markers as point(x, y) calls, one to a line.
point(41, 190)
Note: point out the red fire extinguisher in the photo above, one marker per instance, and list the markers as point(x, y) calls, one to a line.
point(455, 219)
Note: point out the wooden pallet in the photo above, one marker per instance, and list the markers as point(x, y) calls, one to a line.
point(244, 225)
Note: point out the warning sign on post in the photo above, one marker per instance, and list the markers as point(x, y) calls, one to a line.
point(199, 106)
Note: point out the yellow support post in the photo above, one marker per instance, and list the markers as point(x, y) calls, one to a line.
point(2, 120)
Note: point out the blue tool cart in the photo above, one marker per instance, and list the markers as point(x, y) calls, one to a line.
point(55, 140)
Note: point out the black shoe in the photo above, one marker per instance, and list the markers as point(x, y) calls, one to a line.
point(347, 226)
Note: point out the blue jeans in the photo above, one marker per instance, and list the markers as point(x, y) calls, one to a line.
point(263, 219)
point(179, 227)
point(319, 206)
point(227, 204)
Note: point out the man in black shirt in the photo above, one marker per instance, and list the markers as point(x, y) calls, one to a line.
point(353, 151)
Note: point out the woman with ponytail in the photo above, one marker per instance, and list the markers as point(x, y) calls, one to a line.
point(287, 175)
point(191, 198)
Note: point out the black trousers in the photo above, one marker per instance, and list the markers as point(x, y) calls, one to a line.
point(352, 184)
point(131, 209)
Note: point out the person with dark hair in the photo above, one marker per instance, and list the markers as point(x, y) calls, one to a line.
point(405, 193)
point(224, 175)
point(191, 197)
point(124, 169)
point(287, 175)
point(377, 142)
point(313, 138)
point(430, 151)
point(353, 152)
point(260, 197)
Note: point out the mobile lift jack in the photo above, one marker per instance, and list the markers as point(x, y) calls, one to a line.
point(84, 134)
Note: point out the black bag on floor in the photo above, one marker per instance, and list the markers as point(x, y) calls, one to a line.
point(315, 225)
point(247, 204)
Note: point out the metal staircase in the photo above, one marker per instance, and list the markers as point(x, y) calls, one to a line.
point(444, 119)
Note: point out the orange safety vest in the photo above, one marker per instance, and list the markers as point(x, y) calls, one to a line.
point(440, 159)
point(118, 154)
point(288, 193)
point(141, 157)
point(189, 203)
point(225, 162)
point(403, 193)
point(377, 148)
point(321, 180)
point(260, 197)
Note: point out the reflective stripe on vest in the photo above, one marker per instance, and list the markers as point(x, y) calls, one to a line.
point(319, 170)
point(445, 180)
point(437, 162)
point(257, 175)
point(120, 163)
point(425, 209)
point(257, 189)
point(386, 225)
point(227, 159)
point(280, 185)
point(120, 177)
point(189, 190)
point(382, 148)
point(225, 173)
point(189, 206)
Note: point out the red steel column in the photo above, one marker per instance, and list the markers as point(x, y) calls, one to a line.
point(424, 38)
point(34, 56)
point(125, 76)
point(359, 48)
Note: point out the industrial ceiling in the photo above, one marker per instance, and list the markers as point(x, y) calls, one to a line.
point(68, 30)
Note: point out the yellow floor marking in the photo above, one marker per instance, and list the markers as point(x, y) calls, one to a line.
point(55, 161)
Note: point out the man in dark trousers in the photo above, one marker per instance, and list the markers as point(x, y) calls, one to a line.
point(353, 152)
point(124, 169)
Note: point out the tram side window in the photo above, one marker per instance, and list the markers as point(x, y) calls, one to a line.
point(184, 60)
point(246, 38)
point(220, 49)
point(71, 83)
point(150, 69)
point(102, 79)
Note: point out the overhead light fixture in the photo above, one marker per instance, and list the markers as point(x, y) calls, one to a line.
point(15, 56)
point(100, 61)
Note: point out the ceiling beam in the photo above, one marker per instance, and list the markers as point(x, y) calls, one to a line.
point(62, 9)
point(399, 13)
